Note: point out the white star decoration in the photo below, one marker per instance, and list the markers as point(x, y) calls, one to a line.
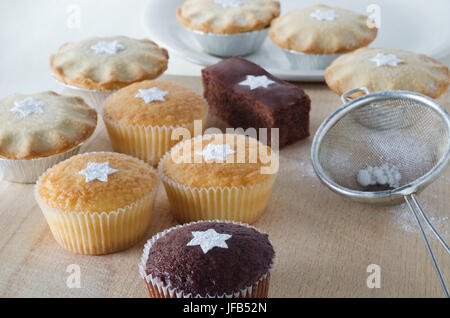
point(230, 3)
point(152, 94)
point(27, 107)
point(216, 152)
point(97, 171)
point(256, 81)
point(103, 47)
point(324, 15)
point(208, 240)
point(382, 59)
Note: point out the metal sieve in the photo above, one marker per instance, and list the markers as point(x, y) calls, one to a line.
point(404, 129)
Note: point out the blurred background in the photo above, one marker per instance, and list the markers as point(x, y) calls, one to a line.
point(31, 30)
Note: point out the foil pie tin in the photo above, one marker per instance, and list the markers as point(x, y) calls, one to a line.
point(303, 61)
point(29, 170)
point(227, 45)
point(95, 98)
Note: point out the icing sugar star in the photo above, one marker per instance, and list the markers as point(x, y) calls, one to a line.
point(230, 3)
point(28, 106)
point(216, 152)
point(103, 47)
point(382, 59)
point(97, 171)
point(324, 15)
point(208, 240)
point(256, 81)
point(152, 94)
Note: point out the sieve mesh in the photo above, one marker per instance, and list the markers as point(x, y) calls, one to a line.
point(399, 131)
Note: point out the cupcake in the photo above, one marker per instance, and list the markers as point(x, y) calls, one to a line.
point(38, 130)
point(388, 69)
point(228, 27)
point(313, 37)
point(97, 203)
point(221, 176)
point(143, 119)
point(208, 259)
point(95, 67)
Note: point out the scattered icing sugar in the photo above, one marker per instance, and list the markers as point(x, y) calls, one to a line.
point(307, 169)
point(97, 171)
point(385, 174)
point(381, 59)
point(404, 219)
point(27, 107)
point(257, 81)
point(216, 152)
point(230, 3)
point(152, 94)
point(324, 15)
point(103, 47)
point(208, 240)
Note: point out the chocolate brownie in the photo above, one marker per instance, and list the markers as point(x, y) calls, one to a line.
point(210, 258)
point(245, 95)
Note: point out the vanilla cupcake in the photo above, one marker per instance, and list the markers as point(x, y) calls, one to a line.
point(147, 118)
point(97, 66)
point(228, 27)
point(38, 130)
point(211, 259)
point(380, 69)
point(97, 203)
point(220, 176)
point(313, 37)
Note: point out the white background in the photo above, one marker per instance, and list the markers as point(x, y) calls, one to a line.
point(31, 30)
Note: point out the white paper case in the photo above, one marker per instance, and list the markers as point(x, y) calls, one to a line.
point(148, 143)
point(242, 204)
point(158, 289)
point(96, 233)
point(227, 45)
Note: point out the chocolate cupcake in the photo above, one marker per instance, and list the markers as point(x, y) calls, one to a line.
point(208, 259)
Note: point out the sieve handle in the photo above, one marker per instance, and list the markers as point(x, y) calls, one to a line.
point(346, 96)
point(427, 221)
point(408, 199)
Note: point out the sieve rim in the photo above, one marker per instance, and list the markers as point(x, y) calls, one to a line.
point(360, 101)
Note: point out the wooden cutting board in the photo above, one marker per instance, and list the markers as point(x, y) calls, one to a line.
point(324, 243)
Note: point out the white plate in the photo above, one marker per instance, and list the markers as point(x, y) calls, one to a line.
point(417, 26)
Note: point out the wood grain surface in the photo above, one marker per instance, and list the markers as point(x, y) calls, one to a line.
point(324, 243)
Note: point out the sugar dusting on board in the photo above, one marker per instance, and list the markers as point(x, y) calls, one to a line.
point(405, 220)
point(307, 169)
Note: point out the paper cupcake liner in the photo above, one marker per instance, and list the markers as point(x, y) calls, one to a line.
point(148, 143)
point(158, 289)
point(97, 233)
point(226, 45)
point(304, 61)
point(29, 170)
point(243, 204)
